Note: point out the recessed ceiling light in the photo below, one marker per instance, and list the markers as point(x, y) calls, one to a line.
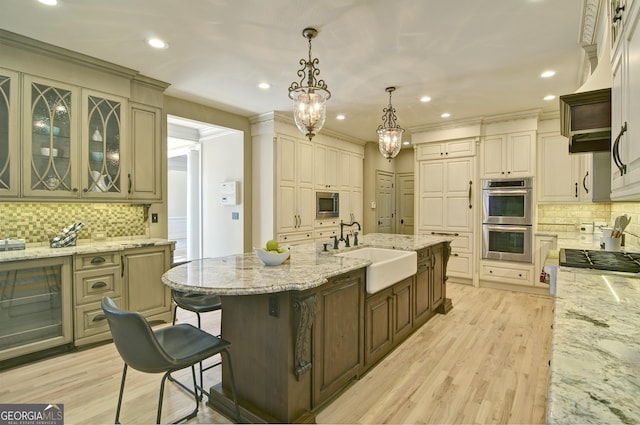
point(425, 99)
point(549, 97)
point(547, 74)
point(264, 86)
point(406, 142)
point(49, 2)
point(340, 117)
point(445, 115)
point(157, 43)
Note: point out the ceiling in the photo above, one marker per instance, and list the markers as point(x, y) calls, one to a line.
point(474, 58)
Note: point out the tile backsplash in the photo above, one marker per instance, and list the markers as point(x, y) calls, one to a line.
point(567, 217)
point(34, 221)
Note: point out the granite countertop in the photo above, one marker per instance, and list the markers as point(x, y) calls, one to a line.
point(595, 350)
point(83, 246)
point(308, 267)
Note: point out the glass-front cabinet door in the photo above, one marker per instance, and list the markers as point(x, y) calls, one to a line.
point(102, 146)
point(9, 119)
point(50, 139)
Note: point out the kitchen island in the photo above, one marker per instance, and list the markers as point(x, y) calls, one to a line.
point(300, 332)
point(595, 350)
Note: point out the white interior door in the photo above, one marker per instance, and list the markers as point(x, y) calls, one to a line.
point(405, 195)
point(385, 202)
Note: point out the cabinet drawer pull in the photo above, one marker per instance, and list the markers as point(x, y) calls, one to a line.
point(445, 233)
point(584, 183)
point(99, 317)
point(615, 151)
point(99, 284)
point(97, 260)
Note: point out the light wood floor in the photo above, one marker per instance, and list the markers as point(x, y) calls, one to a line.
point(486, 361)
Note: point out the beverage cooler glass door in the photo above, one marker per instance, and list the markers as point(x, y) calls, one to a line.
point(506, 242)
point(35, 306)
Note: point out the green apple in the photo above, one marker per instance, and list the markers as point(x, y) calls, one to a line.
point(272, 245)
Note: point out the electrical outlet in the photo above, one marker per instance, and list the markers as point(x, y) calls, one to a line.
point(154, 217)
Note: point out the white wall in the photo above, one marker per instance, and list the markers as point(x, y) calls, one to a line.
point(177, 193)
point(222, 160)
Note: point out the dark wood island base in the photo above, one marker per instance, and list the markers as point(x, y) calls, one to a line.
point(295, 351)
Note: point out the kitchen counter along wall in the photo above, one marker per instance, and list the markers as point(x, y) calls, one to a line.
point(595, 352)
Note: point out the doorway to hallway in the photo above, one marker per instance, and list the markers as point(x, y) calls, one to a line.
point(394, 202)
point(201, 157)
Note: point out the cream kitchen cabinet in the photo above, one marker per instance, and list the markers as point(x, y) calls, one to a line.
point(446, 195)
point(326, 229)
point(142, 270)
point(288, 173)
point(9, 133)
point(325, 159)
point(57, 162)
point(448, 149)
point(508, 155)
point(102, 146)
point(571, 178)
point(145, 175)
point(506, 272)
point(51, 116)
point(351, 169)
point(88, 129)
point(625, 107)
point(296, 194)
point(351, 207)
point(461, 264)
point(96, 276)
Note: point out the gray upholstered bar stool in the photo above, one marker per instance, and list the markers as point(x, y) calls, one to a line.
point(197, 303)
point(164, 350)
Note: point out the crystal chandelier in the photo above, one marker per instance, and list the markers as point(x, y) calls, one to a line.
point(389, 133)
point(310, 96)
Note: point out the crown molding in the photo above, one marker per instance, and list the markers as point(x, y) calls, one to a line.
point(8, 38)
point(589, 21)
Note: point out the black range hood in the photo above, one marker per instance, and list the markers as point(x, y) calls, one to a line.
point(585, 119)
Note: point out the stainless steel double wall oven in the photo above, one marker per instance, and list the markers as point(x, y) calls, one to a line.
point(507, 219)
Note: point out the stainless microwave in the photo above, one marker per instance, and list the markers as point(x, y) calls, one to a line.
point(327, 205)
